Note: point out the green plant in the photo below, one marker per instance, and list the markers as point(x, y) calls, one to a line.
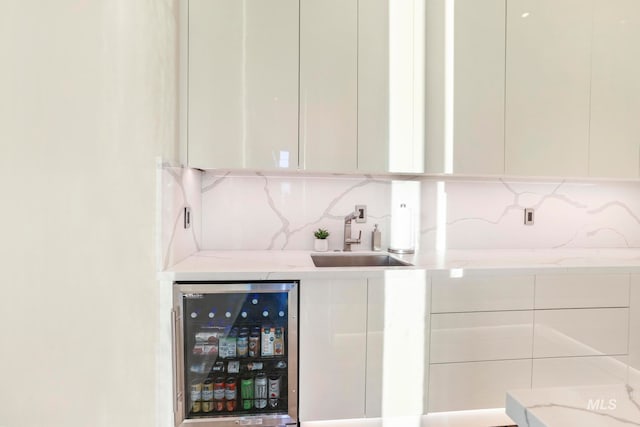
point(321, 233)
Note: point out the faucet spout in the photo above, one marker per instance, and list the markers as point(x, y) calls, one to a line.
point(348, 240)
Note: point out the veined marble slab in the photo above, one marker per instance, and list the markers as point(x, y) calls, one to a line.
point(594, 406)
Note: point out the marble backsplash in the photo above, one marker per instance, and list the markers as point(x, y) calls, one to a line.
point(178, 188)
point(490, 214)
point(255, 211)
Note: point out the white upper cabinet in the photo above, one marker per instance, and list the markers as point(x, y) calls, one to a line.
point(615, 89)
point(465, 86)
point(319, 85)
point(243, 84)
point(391, 85)
point(548, 87)
point(328, 85)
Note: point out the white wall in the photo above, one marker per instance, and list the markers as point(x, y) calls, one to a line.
point(87, 104)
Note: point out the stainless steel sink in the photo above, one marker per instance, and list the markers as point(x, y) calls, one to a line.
point(357, 260)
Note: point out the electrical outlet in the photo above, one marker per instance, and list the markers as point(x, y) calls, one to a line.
point(528, 216)
point(362, 213)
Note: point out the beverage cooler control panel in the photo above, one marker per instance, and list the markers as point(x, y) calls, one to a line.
point(235, 353)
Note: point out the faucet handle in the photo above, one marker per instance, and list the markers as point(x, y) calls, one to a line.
point(359, 236)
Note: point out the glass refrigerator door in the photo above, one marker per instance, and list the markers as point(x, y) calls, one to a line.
point(239, 353)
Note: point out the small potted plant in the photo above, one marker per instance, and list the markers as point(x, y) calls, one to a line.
point(321, 244)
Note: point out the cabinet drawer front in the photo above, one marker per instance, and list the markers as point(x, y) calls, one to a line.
point(468, 337)
point(481, 293)
point(582, 290)
point(579, 371)
point(585, 332)
point(478, 385)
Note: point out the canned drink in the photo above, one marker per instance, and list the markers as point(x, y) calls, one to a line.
point(274, 390)
point(261, 391)
point(254, 344)
point(231, 394)
point(207, 395)
point(218, 394)
point(242, 345)
point(196, 395)
point(246, 393)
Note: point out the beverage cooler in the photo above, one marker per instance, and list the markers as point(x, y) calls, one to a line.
point(235, 353)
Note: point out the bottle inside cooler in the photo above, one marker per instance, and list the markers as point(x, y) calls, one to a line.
point(236, 354)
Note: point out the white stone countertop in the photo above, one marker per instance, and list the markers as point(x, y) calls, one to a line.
point(592, 406)
point(276, 265)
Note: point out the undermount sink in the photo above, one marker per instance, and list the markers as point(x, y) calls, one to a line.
point(357, 260)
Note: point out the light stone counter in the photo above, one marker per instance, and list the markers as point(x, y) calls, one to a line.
point(277, 265)
point(594, 406)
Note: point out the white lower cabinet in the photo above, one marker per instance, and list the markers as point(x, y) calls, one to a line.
point(579, 371)
point(491, 334)
point(581, 332)
point(582, 290)
point(475, 385)
point(333, 329)
point(481, 293)
point(468, 337)
point(397, 344)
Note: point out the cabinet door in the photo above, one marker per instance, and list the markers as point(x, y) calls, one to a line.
point(391, 61)
point(615, 90)
point(243, 84)
point(333, 327)
point(471, 337)
point(476, 385)
point(328, 85)
point(479, 72)
point(581, 332)
point(465, 86)
point(547, 87)
point(579, 371)
point(397, 344)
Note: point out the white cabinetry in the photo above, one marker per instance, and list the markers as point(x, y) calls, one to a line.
point(475, 385)
point(548, 87)
point(615, 89)
point(328, 85)
point(333, 344)
point(397, 344)
point(243, 84)
point(465, 126)
point(481, 339)
point(491, 332)
point(583, 332)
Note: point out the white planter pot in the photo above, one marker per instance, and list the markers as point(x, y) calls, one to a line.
point(321, 245)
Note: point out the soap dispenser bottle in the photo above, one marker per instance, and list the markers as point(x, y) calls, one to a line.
point(376, 239)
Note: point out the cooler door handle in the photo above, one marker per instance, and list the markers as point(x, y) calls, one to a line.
point(177, 374)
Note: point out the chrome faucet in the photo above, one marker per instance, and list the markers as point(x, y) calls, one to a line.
point(348, 241)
